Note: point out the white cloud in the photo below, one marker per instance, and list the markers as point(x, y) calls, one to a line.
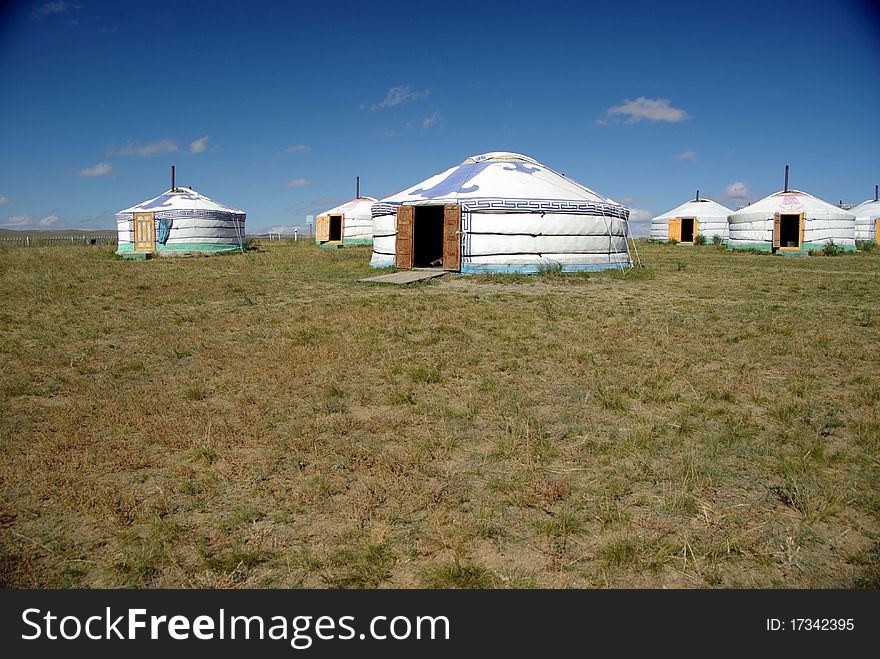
point(737, 191)
point(4, 201)
point(640, 221)
point(650, 109)
point(55, 7)
point(24, 220)
point(639, 214)
point(401, 94)
point(427, 122)
point(16, 221)
point(159, 146)
point(298, 182)
point(101, 169)
point(199, 145)
point(297, 148)
point(689, 154)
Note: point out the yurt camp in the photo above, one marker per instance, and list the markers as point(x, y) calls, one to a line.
point(867, 216)
point(179, 222)
point(791, 222)
point(500, 212)
point(348, 224)
point(697, 217)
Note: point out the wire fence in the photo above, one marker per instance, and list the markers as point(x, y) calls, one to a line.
point(71, 239)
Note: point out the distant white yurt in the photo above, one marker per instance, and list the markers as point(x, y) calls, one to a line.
point(348, 224)
point(179, 221)
point(867, 216)
point(500, 212)
point(698, 217)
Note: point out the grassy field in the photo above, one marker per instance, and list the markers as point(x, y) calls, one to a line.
point(265, 420)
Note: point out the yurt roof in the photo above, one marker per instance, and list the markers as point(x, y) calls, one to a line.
point(791, 201)
point(499, 176)
point(869, 208)
point(697, 208)
point(361, 204)
point(181, 199)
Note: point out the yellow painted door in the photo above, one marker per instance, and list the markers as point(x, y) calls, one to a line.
point(322, 229)
point(696, 229)
point(144, 232)
point(675, 229)
point(877, 230)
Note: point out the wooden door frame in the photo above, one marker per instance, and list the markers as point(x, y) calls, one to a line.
point(341, 217)
point(800, 245)
point(452, 237)
point(403, 239)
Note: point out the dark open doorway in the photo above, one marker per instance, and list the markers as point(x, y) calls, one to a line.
point(427, 236)
point(687, 229)
point(790, 231)
point(335, 228)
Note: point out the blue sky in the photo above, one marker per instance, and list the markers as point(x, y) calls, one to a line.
point(275, 107)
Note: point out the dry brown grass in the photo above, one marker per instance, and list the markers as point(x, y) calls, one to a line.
point(265, 420)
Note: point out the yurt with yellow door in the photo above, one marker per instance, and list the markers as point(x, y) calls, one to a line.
point(791, 222)
point(867, 216)
point(179, 222)
point(500, 212)
point(697, 217)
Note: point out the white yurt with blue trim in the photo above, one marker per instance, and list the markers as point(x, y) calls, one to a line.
point(500, 212)
point(697, 217)
point(867, 216)
point(180, 221)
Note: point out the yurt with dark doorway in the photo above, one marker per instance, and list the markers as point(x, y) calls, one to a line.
point(500, 212)
point(347, 224)
point(791, 222)
point(867, 216)
point(697, 217)
point(179, 222)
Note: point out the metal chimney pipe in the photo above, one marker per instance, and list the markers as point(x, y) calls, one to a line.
point(698, 195)
point(358, 188)
point(786, 178)
point(173, 189)
point(875, 192)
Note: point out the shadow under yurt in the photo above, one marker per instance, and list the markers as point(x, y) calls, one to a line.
point(179, 222)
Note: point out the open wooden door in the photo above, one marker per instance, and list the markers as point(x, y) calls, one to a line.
point(452, 237)
point(322, 228)
point(404, 244)
point(877, 231)
point(777, 231)
point(696, 230)
point(675, 229)
point(144, 232)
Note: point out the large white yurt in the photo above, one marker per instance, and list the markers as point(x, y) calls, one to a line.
point(348, 224)
point(698, 217)
point(867, 216)
point(791, 222)
point(179, 221)
point(500, 212)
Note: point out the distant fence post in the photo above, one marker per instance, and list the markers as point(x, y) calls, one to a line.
point(27, 241)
